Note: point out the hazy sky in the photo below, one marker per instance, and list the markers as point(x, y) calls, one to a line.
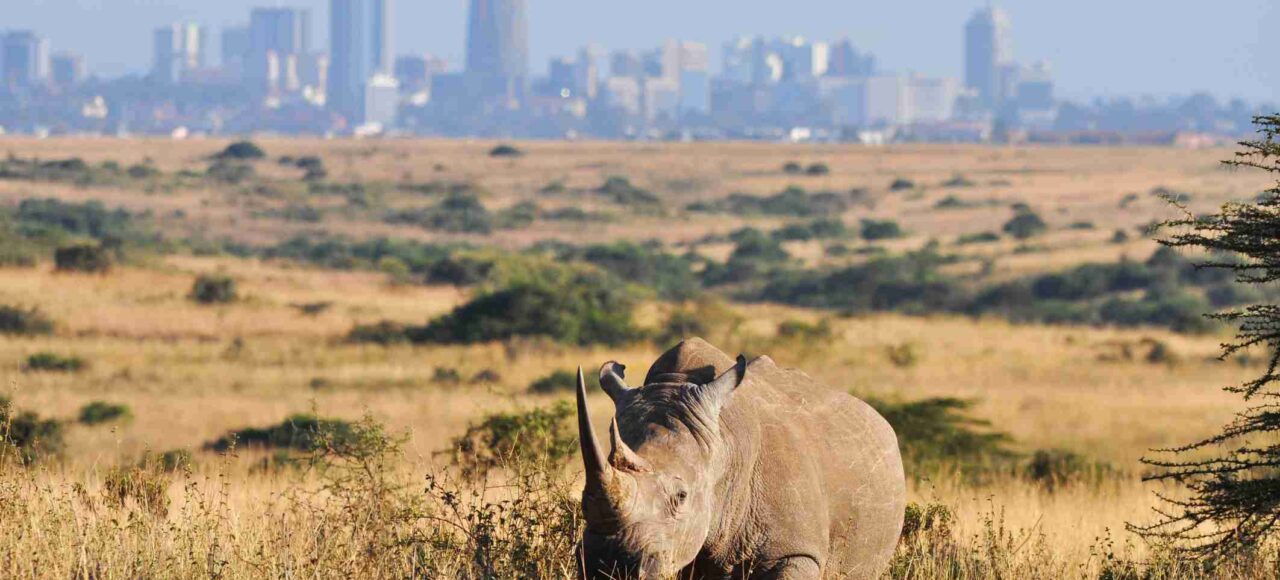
point(1097, 47)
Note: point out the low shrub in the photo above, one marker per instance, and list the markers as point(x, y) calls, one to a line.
point(578, 307)
point(50, 362)
point(304, 432)
point(792, 201)
point(1054, 468)
point(1025, 224)
point(978, 238)
point(142, 486)
point(446, 376)
point(88, 258)
point(26, 437)
point(873, 230)
point(902, 184)
point(213, 289)
point(622, 192)
point(231, 173)
point(242, 151)
point(817, 169)
point(383, 333)
point(98, 412)
point(800, 330)
point(24, 321)
point(541, 438)
point(792, 168)
point(940, 433)
point(557, 382)
point(505, 150)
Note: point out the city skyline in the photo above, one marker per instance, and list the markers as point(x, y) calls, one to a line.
point(1153, 59)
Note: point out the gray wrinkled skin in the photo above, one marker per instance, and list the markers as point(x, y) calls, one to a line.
point(719, 470)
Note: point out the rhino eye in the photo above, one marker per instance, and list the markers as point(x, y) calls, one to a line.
point(680, 497)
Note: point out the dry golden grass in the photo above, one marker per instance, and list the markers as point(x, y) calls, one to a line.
point(190, 373)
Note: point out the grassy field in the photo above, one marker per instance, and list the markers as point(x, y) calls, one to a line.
point(189, 373)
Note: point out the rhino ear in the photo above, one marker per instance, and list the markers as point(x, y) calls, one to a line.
point(611, 374)
point(716, 393)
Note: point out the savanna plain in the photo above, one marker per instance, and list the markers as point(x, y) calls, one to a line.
point(354, 359)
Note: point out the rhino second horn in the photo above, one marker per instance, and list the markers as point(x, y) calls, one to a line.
point(599, 473)
point(611, 374)
point(621, 456)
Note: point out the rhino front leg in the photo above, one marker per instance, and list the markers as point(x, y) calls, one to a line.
point(794, 568)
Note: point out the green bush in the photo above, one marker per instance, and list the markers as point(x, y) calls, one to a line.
point(940, 433)
point(229, 172)
point(817, 169)
point(242, 151)
point(959, 180)
point(792, 168)
point(89, 258)
point(505, 150)
point(306, 433)
point(800, 330)
point(792, 201)
point(213, 289)
point(99, 412)
point(978, 238)
point(622, 192)
point(20, 321)
point(51, 218)
point(583, 309)
point(873, 230)
point(1025, 224)
point(559, 381)
point(382, 333)
point(902, 184)
point(458, 212)
point(26, 437)
point(50, 362)
point(541, 437)
point(1055, 467)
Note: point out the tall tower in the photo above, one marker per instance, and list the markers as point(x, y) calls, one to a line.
point(360, 38)
point(25, 58)
point(987, 50)
point(498, 47)
point(178, 49)
point(277, 38)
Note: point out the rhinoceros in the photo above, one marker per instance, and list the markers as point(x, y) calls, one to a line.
point(724, 469)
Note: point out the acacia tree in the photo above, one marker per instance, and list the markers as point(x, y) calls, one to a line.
point(1233, 478)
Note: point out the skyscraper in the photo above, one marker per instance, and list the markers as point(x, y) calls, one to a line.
point(277, 38)
point(236, 42)
point(25, 58)
point(179, 49)
point(67, 70)
point(360, 38)
point(987, 50)
point(498, 47)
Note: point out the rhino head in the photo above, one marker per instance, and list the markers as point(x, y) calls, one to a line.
point(649, 503)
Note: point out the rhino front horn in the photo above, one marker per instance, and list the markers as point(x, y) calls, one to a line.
point(599, 472)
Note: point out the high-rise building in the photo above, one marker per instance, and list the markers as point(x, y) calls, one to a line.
point(694, 74)
point(847, 61)
point(987, 50)
point(278, 37)
point(179, 49)
point(236, 43)
point(24, 59)
point(360, 49)
point(67, 70)
point(498, 48)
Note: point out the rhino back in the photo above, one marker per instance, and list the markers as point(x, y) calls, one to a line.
point(811, 431)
